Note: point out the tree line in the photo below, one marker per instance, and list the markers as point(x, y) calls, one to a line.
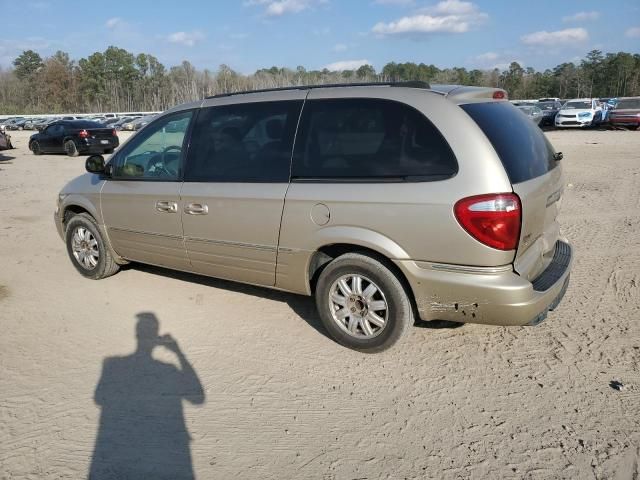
point(118, 80)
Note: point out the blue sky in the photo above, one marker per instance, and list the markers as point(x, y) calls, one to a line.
point(251, 34)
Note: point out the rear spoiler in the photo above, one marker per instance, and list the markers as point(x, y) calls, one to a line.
point(463, 92)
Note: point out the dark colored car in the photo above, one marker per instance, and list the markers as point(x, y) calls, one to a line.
point(626, 113)
point(74, 137)
point(549, 111)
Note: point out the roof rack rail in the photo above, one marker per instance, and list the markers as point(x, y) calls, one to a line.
point(407, 84)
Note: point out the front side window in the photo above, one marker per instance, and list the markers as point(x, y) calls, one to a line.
point(248, 142)
point(156, 152)
point(369, 140)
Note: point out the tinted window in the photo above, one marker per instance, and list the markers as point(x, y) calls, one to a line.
point(156, 152)
point(630, 103)
point(524, 150)
point(80, 124)
point(577, 105)
point(250, 142)
point(369, 139)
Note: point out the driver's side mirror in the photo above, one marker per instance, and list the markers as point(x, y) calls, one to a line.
point(95, 164)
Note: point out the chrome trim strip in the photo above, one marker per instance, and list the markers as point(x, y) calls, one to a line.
point(465, 268)
point(226, 243)
point(140, 232)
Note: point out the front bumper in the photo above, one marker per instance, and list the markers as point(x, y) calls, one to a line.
point(493, 296)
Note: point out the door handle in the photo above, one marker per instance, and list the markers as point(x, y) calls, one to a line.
point(166, 207)
point(196, 209)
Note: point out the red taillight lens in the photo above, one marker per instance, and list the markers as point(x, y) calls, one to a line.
point(114, 133)
point(83, 134)
point(492, 219)
point(499, 95)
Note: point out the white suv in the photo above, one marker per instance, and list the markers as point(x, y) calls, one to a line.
point(579, 112)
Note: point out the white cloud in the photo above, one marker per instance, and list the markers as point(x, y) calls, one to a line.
point(581, 17)
point(188, 39)
point(339, 47)
point(557, 38)
point(347, 65)
point(489, 56)
point(633, 32)
point(114, 23)
point(452, 7)
point(277, 8)
point(449, 16)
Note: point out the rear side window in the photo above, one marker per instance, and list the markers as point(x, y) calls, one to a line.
point(369, 140)
point(524, 150)
point(248, 142)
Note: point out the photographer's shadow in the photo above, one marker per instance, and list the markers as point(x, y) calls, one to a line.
point(142, 431)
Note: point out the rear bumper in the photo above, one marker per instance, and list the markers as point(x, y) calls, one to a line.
point(94, 145)
point(493, 296)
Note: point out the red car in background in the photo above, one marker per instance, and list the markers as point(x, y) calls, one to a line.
point(626, 113)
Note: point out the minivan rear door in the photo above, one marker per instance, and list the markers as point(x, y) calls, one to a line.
point(534, 171)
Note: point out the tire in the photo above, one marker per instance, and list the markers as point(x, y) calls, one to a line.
point(368, 336)
point(70, 148)
point(35, 148)
point(94, 261)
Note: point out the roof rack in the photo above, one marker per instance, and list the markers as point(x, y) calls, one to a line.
point(408, 84)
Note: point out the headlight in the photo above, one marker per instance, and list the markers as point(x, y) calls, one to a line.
point(584, 115)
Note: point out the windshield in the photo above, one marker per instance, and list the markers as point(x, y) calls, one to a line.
point(547, 105)
point(577, 105)
point(631, 103)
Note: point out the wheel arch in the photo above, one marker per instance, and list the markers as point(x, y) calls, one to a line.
point(326, 253)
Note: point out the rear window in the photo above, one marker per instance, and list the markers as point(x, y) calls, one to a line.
point(369, 139)
point(524, 150)
point(84, 124)
point(631, 103)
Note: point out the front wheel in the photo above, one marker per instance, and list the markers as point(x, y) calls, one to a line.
point(86, 248)
point(70, 148)
point(35, 148)
point(362, 303)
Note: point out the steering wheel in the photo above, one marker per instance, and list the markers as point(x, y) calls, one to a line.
point(159, 166)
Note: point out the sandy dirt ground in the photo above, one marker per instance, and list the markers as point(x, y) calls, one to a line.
point(253, 388)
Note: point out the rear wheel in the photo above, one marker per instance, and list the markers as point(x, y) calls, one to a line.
point(362, 303)
point(86, 248)
point(35, 148)
point(70, 148)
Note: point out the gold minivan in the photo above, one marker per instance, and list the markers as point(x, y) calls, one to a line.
point(388, 202)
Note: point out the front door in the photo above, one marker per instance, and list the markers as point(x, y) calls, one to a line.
point(235, 182)
point(141, 203)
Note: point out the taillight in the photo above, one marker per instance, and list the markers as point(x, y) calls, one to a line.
point(499, 95)
point(83, 134)
point(492, 219)
point(114, 133)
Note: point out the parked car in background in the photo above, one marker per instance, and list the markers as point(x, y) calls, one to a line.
point(138, 123)
point(626, 113)
point(109, 121)
point(74, 137)
point(121, 121)
point(5, 139)
point(533, 112)
point(17, 124)
point(44, 122)
point(395, 202)
point(9, 120)
point(579, 112)
point(550, 109)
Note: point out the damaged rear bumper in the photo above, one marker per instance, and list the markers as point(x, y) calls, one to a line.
point(488, 295)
